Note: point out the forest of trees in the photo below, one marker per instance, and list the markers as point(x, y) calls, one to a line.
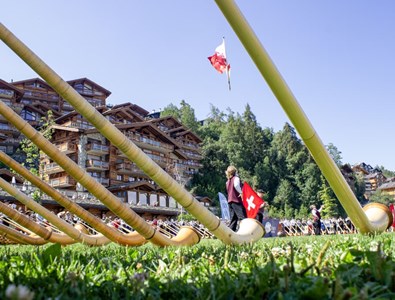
point(277, 162)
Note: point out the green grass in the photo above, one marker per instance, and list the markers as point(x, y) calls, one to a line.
point(316, 267)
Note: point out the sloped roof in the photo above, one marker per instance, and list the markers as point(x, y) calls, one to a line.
point(6, 85)
point(138, 109)
point(39, 80)
point(94, 84)
point(387, 186)
point(7, 175)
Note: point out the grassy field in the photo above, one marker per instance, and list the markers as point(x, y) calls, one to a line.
point(307, 267)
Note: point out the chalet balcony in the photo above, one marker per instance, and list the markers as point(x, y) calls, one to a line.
point(128, 169)
point(96, 165)
point(7, 128)
point(62, 182)
point(6, 94)
point(103, 181)
point(192, 154)
point(67, 106)
point(162, 162)
point(191, 146)
point(42, 96)
point(150, 144)
point(52, 168)
point(97, 149)
point(79, 125)
point(67, 148)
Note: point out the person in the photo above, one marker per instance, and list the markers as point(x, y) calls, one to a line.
point(237, 211)
point(316, 218)
point(261, 211)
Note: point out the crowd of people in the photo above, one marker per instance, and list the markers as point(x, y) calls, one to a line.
point(237, 211)
point(296, 227)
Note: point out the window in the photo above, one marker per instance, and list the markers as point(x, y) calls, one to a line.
point(162, 200)
point(143, 199)
point(172, 202)
point(132, 197)
point(28, 115)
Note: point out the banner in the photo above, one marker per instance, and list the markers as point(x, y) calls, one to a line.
point(224, 207)
point(271, 227)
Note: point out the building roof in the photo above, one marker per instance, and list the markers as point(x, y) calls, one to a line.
point(19, 93)
point(31, 80)
point(387, 186)
point(94, 84)
point(7, 176)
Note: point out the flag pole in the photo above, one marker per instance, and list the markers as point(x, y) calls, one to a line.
point(227, 64)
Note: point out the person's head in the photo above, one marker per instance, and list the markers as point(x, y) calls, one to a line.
point(260, 193)
point(230, 172)
point(312, 206)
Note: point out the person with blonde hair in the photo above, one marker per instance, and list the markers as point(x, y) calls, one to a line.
point(235, 202)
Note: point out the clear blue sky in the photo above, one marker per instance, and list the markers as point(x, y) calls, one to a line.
point(336, 56)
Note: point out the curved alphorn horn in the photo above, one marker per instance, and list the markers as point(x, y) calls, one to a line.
point(130, 239)
point(72, 234)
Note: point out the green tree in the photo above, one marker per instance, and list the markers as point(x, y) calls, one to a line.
point(386, 173)
point(185, 115)
point(211, 178)
point(171, 110)
point(281, 201)
point(330, 208)
point(30, 151)
point(188, 117)
point(380, 197)
point(335, 154)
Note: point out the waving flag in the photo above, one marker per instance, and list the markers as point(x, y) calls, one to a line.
point(219, 61)
point(251, 201)
point(392, 210)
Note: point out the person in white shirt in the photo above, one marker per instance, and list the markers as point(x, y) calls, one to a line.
point(316, 218)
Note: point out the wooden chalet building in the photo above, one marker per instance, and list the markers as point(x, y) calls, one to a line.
point(373, 177)
point(388, 187)
point(172, 146)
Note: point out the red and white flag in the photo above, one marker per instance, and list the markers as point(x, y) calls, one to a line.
point(251, 201)
point(219, 61)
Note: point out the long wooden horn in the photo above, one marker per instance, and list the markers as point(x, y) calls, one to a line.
point(19, 237)
point(251, 233)
point(130, 239)
point(40, 231)
point(72, 234)
point(298, 118)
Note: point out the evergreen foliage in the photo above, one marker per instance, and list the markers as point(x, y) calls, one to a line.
point(277, 162)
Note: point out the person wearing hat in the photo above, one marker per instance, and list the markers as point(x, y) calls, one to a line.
point(235, 202)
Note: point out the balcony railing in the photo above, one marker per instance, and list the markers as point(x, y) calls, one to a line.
point(96, 164)
point(52, 168)
point(149, 143)
point(65, 181)
point(128, 168)
point(103, 181)
point(67, 147)
point(93, 148)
